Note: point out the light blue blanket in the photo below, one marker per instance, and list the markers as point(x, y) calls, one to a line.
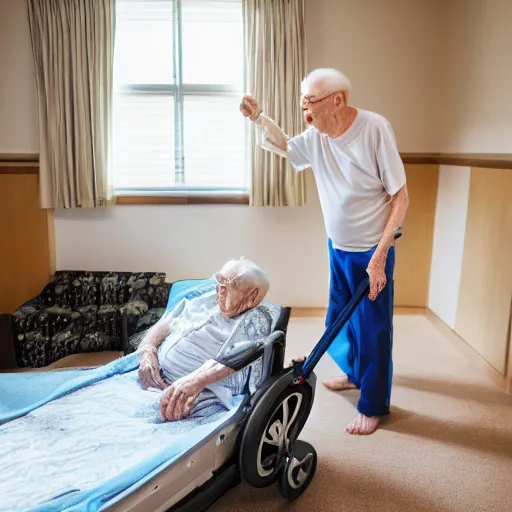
point(97, 437)
point(23, 392)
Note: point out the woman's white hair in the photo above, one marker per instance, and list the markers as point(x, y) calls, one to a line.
point(328, 80)
point(246, 271)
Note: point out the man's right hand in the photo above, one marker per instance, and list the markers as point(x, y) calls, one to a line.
point(149, 370)
point(250, 108)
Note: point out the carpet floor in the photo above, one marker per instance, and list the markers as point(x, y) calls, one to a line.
point(446, 447)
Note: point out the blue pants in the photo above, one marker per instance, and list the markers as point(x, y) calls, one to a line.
point(363, 348)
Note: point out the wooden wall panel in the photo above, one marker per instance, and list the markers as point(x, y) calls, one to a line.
point(414, 249)
point(485, 294)
point(508, 386)
point(25, 256)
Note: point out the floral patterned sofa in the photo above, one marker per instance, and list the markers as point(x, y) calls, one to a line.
point(79, 312)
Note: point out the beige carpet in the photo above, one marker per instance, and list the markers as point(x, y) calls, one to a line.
point(446, 447)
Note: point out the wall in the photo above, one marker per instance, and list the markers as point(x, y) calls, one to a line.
point(471, 284)
point(27, 238)
point(477, 80)
point(478, 102)
point(390, 50)
point(448, 246)
point(194, 241)
point(414, 249)
point(18, 101)
point(288, 242)
point(484, 304)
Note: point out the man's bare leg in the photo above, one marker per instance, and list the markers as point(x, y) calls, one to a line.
point(339, 383)
point(363, 425)
point(335, 384)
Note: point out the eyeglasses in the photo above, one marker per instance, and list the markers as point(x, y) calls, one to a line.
point(224, 281)
point(306, 102)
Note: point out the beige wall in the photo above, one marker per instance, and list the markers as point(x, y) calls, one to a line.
point(18, 103)
point(390, 51)
point(476, 93)
point(471, 285)
point(194, 241)
point(478, 97)
point(448, 246)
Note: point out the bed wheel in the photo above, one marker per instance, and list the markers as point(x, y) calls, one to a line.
point(298, 471)
point(271, 431)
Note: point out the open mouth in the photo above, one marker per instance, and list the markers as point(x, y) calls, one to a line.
point(309, 119)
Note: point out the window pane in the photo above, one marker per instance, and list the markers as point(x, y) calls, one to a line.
point(214, 138)
point(144, 43)
point(214, 131)
point(143, 152)
point(212, 42)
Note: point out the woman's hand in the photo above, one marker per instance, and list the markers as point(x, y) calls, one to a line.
point(149, 370)
point(178, 399)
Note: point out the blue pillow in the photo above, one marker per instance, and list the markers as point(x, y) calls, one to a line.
point(189, 288)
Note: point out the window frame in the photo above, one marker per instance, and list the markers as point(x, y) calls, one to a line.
point(185, 194)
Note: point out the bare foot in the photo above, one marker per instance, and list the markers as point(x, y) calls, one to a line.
point(339, 384)
point(363, 425)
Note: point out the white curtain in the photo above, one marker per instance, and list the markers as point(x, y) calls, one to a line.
point(73, 48)
point(276, 66)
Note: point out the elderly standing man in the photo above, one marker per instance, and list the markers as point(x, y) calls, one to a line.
point(363, 194)
point(193, 351)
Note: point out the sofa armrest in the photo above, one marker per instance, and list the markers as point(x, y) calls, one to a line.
point(134, 327)
point(7, 351)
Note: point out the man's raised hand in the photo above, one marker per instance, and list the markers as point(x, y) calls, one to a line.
point(250, 108)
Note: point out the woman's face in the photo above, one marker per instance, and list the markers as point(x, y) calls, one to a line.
point(234, 296)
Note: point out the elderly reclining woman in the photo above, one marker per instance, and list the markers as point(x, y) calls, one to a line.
point(185, 351)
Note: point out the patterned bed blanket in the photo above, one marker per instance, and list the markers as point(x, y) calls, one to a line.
point(83, 438)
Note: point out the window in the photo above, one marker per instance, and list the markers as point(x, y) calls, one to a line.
point(178, 81)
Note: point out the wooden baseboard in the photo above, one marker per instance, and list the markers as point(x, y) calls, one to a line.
point(308, 312)
point(406, 310)
point(320, 312)
point(504, 383)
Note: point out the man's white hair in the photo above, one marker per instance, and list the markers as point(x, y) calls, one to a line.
point(328, 80)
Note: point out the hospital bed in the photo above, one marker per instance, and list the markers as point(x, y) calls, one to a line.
point(257, 445)
point(182, 466)
point(255, 441)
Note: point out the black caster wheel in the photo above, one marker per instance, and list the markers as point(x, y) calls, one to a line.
point(298, 471)
point(271, 431)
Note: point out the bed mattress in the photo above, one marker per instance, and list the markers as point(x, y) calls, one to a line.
point(91, 442)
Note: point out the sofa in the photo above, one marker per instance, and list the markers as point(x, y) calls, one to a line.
point(83, 312)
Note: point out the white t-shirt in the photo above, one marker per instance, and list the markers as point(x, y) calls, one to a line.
point(356, 173)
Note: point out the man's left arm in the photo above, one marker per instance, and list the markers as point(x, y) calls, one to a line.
point(377, 266)
point(392, 172)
